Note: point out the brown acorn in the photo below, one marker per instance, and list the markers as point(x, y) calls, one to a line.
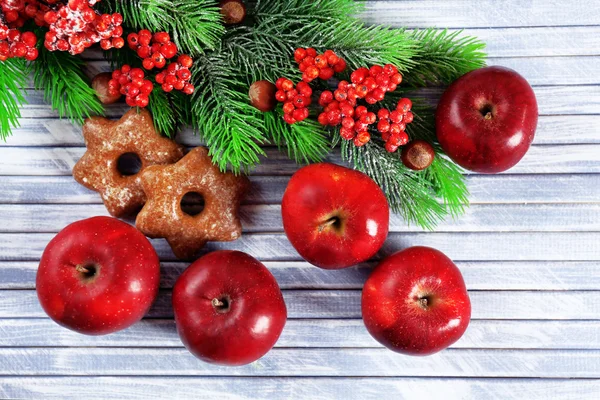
point(233, 11)
point(262, 95)
point(100, 85)
point(417, 155)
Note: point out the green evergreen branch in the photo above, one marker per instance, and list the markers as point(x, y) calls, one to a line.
point(306, 141)
point(13, 78)
point(65, 86)
point(443, 57)
point(232, 129)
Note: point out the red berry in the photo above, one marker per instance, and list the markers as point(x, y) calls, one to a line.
point(321, 62)
point(332, 58)
point(280, 96)
point(185, 61)
point(396, 79)
point(361, 91)
point(287, 85)
point(279, 82)
point(360, 111)
point(390, 70)
point(148, 63)
point(334, 117)
point(340, 66)
point(141, 101)
point(144, 51)
point(375, 70)
point(29, 39)
point(378, 94)
point(288, 107)
point(359, 75)
point(383, 114)
point(162, 37)
point(408, 117)
point(382, 80)
point(292, 94)
point(348, 123)
point(301, 102)
point(395, 129)
point(166, 87)
point(390, 148)
point(160, 78)
point(311, 73)
point(362, 138)
point(323, 118)
point(299, 114)
point(369, 118)
point(169, 50)
point(404, 105)
point(346, 109)
point(340, 95)
point(370, 84)
point(370, 99)
point(289, 119)
point(146, 87)
point(325, 98)
point(396, 117)
point(188, 88)
point(346, 133)
point(299, 55)
point(326, 73)
point(310, 52)
point(304, 89)
point(383, 126)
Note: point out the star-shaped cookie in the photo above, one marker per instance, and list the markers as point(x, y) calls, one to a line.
point(106, 142)
point(165, 187)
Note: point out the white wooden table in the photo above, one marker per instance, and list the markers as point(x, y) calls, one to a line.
point(529, 249)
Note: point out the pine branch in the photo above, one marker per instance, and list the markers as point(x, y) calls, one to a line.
point(195, 25)
point(13, 78)
point(443, 57)
point(232, 129)
point(65, 86)
point(306, 141)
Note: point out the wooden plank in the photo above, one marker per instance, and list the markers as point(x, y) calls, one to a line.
point(51, 218)
point(514, 305)
point(305, 362)
point(479, 275)
point(484, 14)
point(250, 388)
point(552, 100)
point(543, 159)
point(583, 188)
point(464, 246)
point(552, 129)
point(311, 333)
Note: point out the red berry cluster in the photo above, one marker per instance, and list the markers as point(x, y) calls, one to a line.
point(76, 26)
point(392, 125)
point(17, 12)
point(15, 44)
point(355, 121)
point(155, 49)
point(295, 99)
point(130, 82)
point(373, 83)
point(313, 65)
point(177, 76)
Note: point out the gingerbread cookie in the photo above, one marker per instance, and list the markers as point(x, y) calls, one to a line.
point(108, 144)
point(165, 187)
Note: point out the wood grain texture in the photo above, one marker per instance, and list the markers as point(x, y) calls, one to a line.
point(467, 246)
point(315, 388)
point(312, 333)
point(479, 275)
point(502, 189)
point(51, 218)
point(304, 362)
point(543, 305)
point(486, 13)
point(552, 129)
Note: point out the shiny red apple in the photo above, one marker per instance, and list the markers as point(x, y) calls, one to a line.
point(228, 308)
point(335, 217)
point(486, 120)
point(415, 302)
point(98, 276)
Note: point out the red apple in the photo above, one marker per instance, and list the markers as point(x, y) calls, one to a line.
point(335, 217)
point(98, 276)
point(486, 120)
point(415, 302)
point(228, 308)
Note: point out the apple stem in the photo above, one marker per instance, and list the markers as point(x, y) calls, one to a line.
point(329, 222)
point(217, 303)
point(424, 303)
point(488, 116)
point(82, 269)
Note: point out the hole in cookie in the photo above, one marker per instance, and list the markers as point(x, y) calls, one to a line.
point(192, 203)
point(129, 164)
